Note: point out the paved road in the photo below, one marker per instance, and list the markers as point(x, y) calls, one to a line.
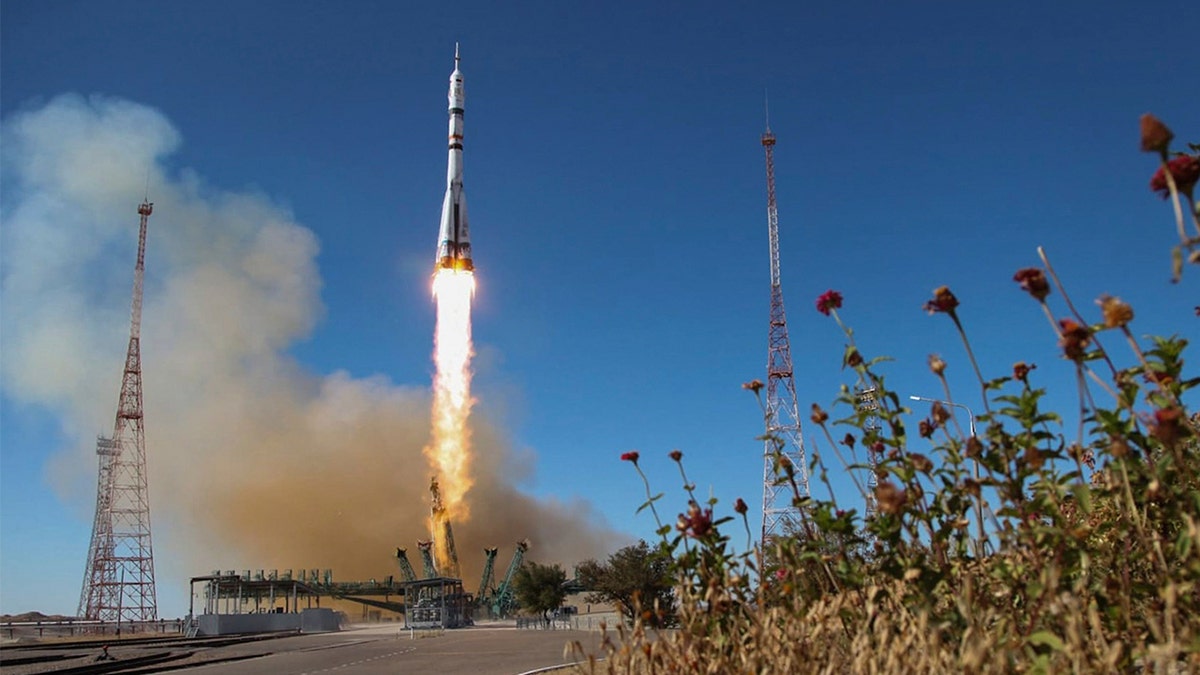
point(479, 650)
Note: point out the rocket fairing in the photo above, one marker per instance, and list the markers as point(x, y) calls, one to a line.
point(454, 241)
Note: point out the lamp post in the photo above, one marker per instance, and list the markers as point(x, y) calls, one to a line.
point(971, 420)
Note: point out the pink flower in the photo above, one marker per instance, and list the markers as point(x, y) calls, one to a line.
point(1185, 169)
point(631, 456)
point(829, 301)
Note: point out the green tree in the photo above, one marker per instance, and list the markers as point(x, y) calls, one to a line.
point(636, 579)
point(540, 588)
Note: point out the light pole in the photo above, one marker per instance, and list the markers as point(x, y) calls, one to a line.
point(979, 499)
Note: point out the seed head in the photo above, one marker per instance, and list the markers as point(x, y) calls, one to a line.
point(1117, 314)
point(1075, 339)
point(819, 416)
point(890, 498)
point(1033, 281)
point(937, 365)
point(753, 385)
point(943, 301)
point(1156, 137)
point(1021, 371)
point(740, 506)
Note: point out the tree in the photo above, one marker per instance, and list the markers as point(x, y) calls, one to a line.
point(636, 579)
point(540, 588)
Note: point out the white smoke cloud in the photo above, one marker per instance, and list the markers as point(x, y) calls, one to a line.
point(254, 462)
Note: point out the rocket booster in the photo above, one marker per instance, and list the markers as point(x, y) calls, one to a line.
point(454, 241)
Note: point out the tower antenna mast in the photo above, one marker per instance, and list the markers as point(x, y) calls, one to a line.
point(118, 583)
point(783, 453)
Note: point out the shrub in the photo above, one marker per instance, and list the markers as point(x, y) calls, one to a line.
point(1010, 548)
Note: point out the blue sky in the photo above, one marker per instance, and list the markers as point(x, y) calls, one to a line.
point(616, 187)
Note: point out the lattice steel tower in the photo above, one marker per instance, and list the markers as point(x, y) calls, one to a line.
point(118, 584)
point(784, 445)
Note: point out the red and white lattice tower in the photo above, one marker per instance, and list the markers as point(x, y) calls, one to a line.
point(118, 584)
point(783, 445)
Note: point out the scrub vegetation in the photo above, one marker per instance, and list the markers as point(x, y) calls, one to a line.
point(1024, 543)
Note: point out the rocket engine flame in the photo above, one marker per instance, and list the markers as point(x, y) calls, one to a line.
point(449, 451)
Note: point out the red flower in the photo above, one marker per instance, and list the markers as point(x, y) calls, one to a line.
point(1033, 281)
point(829, 301)
point(675, 455)
point(631, 456)
point(1075, 339)
point(943, 301)
point(1185, 169)
point(740, 506)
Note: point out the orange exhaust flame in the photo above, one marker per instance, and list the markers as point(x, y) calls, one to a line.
point(449, 449)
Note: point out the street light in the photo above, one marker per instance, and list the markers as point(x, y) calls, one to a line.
point(970, 415)
point(971, 420)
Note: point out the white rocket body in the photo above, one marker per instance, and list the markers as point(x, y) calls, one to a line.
point(454, 240)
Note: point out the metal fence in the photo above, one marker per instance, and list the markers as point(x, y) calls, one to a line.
point(16, 629)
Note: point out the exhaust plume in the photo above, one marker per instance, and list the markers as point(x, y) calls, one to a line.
point(254, 462)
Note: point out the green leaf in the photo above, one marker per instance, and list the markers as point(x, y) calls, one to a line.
point(1045, 638)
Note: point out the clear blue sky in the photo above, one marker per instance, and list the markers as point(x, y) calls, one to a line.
point(617, 195)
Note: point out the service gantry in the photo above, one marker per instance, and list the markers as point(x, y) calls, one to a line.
point(783, 454)
point(118, 582)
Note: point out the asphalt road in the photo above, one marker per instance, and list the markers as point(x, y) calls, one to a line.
point(479, 650)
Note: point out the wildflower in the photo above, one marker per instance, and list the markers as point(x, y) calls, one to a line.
point(829, 301)
point(1033, 458)
point(1117, 314)
point(1033, 281)
point(1168, 426)
point(974, 447)
point(890, 498)
point(1155, 135)
point(1185, 169)
point(921, 462)
point(1021, 371)
point(675, 455)
point(937, 365)
point(696, 523)
point(972, 487)
point(926, 429)
point(631, 456)
point(939, 414)
point(943, 301)
point(853, 358)
point(819, 416)
point(740, 506)
point(1075, 339)
point(753, 385)
point(1158, 378)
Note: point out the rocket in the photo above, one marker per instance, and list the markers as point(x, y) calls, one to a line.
point(454, 242)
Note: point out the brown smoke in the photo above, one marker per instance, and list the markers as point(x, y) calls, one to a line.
point(254, 462)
